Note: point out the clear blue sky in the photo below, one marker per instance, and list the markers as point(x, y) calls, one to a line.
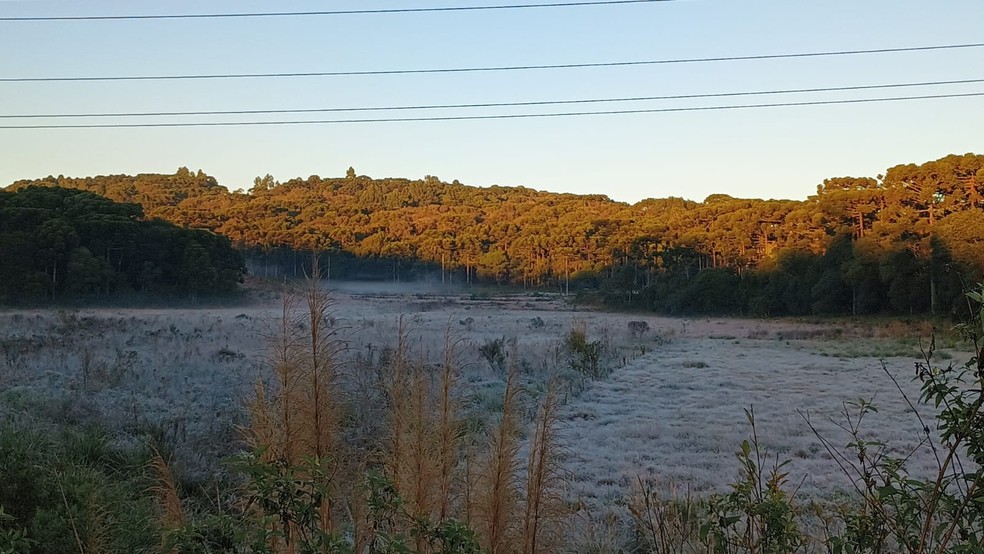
point(766, 153)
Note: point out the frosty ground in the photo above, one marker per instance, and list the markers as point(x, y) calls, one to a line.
point(671, 412)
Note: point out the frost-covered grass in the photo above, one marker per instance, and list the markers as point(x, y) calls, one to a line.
point(172, 378)
point(667, 418)
point(671, 411)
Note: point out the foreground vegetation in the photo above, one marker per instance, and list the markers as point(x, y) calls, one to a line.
point(400, 463)
point(905, 242)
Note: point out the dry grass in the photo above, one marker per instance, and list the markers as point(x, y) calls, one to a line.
point(171, 515)
point(349, 381)
point(546, 512)
point(421, 454)
point(299, 418)
point(422, 450)
point(496, 491)
point(667, 519)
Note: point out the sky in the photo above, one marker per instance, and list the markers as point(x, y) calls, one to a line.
point(782, 152)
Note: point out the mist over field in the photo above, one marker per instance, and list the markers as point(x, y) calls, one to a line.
point(491, 277)
point(661, 410)
point(391, 365)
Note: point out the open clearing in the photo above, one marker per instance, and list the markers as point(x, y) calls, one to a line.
point(671, 411)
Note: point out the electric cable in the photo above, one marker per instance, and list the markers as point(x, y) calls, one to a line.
point(490, 117)
point(328, 12)
point(486, 69)
point(489, 104)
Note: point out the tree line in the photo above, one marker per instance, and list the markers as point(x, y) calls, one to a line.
point(902, 242)
point(65, 244)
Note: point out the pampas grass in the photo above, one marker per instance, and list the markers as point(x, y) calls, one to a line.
point(321, 402)
point(423, 449)
point(545, 507)
point(299, 420)
point(449, 426)
point(497, 491)
point(315, 428)
point(171, 516)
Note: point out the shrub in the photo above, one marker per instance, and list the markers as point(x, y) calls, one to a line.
point(758, 515)
point(664, 524)
point(585, 356)
point(892, 510)
point(638, 329)
point(493, 351)
point(896, 511)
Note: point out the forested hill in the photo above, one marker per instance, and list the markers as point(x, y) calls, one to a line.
point(64, 245)
point(899, 242)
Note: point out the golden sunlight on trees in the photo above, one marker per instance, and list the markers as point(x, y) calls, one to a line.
point(911, 231)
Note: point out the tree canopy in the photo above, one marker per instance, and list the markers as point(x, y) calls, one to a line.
point(59, 243)
point(896, 242)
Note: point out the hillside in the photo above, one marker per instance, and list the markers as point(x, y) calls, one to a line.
point(61, 244)
point(903, 242)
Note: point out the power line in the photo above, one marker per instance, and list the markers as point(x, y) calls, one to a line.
point(328, 12)
point(488, 117)
point(494, 104)
point(486, 69)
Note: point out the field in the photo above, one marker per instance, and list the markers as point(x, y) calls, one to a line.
point(670, 412)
